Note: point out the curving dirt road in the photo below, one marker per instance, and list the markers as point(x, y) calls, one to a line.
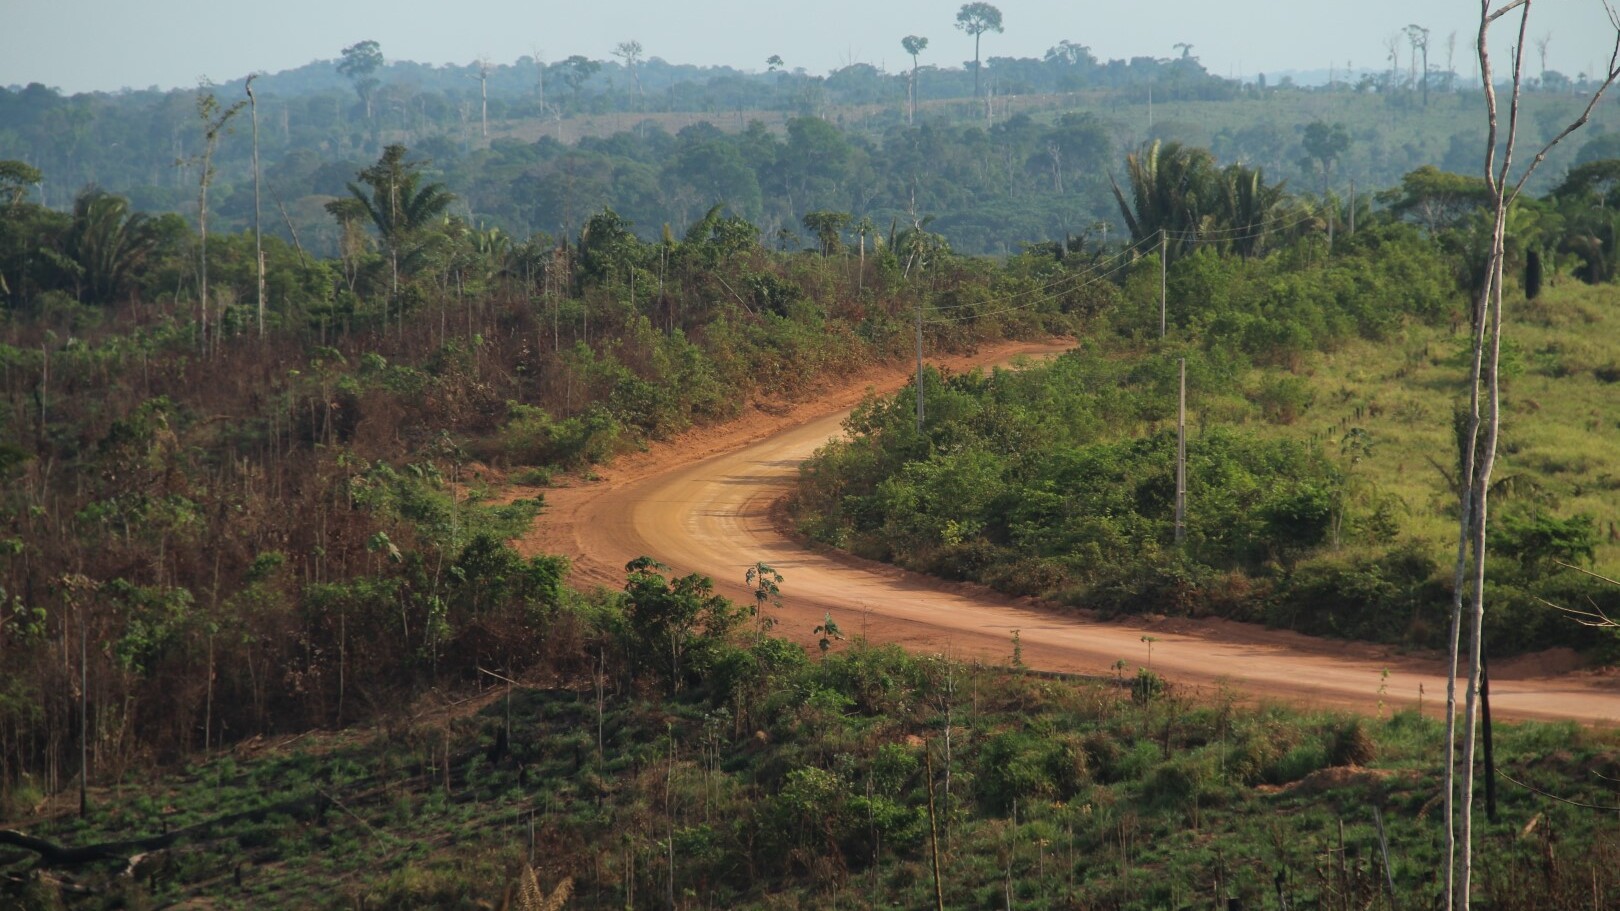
point(707, 504)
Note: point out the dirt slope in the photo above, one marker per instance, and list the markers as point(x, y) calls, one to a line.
point(706, 503)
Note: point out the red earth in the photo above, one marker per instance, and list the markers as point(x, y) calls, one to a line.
point(708, 502)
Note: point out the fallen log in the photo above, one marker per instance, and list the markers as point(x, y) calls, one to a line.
point(52, 854)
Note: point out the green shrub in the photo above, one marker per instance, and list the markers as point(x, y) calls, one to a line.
point(1349, 743)
point(1298, 762)
point(532, 477)
point(532, 437)
point(1015, 766)
point(1147, 686)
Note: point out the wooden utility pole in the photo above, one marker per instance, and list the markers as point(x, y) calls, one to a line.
point(933, 831)
point(1181, 458)
point(1164, 278)
point(84, 715)
point(919, 369)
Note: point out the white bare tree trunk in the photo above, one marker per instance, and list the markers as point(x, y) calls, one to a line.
point(258, 238)
point(1478, 458)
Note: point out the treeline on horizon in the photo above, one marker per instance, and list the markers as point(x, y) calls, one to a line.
point(660, 143)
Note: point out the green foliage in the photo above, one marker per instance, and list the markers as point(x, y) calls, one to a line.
point(1325, 145)
point(1181, 202)
point(15, 179)
point(1032, 482)
point(153, 622)
point(1436, 199)
point(678, 626)
point(1044, 780)
point(532, 437)
point(1539, 542)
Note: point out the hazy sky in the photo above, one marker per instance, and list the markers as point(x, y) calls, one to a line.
point(82, 45)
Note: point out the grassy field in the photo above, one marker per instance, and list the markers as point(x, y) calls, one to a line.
point(1561, 415)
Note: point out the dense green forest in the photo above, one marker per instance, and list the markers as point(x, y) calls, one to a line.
point(538, 147)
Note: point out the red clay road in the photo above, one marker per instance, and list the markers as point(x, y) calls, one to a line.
point(706, 504)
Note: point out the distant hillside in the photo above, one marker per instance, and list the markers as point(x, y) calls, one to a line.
point(661, 142)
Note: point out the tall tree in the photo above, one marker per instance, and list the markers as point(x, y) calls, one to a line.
point(1392, 45)
point(630, 53)
point(828, 227)
point(577, 71)
point(914, 45)
point(399, 203)
point(215, 122)
point(15, 179)
point(1325, 145)
point(976, 19)
point(1483, 423)
point(1418, 36)
point(258, 237)
point(1451, 58)
point(483, 95)
point(358, 63)
point(18, 238)
point(1173, 189)
point(1248, 209)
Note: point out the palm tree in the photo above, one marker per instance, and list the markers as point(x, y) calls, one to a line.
point(106, 244)
point(1173, 190)
point(919, 246)
point(399, 204)
point(1249, 205)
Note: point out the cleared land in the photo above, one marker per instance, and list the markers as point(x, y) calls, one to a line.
point(707, 503)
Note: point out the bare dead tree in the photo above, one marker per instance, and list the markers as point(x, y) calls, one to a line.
point(215, 122)
point(1484, 422)
point(483, 92)
point(1419, 38)
point(258, 238)
point(539, 81)
point(630, 52)
point(1392, 47)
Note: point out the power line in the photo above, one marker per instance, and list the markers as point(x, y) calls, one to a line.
point(1213, 234)
point(1107, 268)
point(1098, 277)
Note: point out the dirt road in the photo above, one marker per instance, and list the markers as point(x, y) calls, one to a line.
point(706, 504)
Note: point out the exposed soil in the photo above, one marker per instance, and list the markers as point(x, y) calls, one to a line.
point(707, 502)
